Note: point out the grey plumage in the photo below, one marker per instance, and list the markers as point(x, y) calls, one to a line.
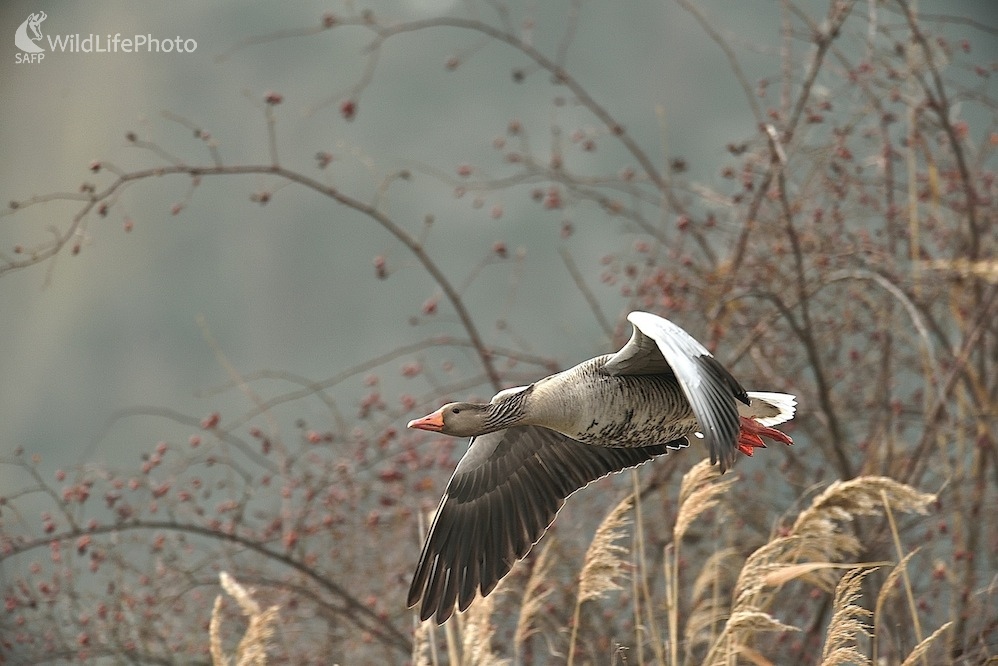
point(534, 446)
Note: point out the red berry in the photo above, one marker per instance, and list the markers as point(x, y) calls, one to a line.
point(348, 109)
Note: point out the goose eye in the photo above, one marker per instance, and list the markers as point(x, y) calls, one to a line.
point(455, 410)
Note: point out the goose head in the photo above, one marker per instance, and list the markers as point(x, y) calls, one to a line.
point(458, 419)
point(470, 419)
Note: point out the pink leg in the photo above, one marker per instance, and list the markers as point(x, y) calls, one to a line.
point(752, 432)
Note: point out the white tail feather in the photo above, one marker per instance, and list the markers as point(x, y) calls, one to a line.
point(769, 409)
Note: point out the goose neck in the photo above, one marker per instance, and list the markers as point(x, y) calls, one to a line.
point(508, 411)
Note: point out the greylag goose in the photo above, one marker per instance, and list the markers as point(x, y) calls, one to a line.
point(533, 446)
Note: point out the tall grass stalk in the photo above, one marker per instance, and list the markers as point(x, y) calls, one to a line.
point(902, 564)
point(534, 594)
point(603, 564)
point(646, 620)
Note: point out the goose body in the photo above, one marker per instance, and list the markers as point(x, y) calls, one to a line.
point(535, 445)
point(593, 406)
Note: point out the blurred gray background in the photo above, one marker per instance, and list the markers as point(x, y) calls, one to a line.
point(291, 285)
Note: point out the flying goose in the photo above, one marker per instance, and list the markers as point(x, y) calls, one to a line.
point(533, 446)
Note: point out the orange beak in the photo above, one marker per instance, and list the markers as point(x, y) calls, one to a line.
point(433, 422)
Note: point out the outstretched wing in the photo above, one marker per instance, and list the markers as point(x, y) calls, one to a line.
point(657, 346)
point(504, 494)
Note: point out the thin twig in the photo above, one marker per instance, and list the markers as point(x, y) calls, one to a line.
point(403, 236)
point(587, 293)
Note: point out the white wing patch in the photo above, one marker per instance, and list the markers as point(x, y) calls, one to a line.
point(505, 393)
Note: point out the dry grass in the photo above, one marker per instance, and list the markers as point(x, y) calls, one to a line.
point(252, 649)
point(423, 653)
point(822, 537)
point(606, 559)
point(984, 269)
point(700, 491)
point(477, 631)
point(731, 597)
point(534, 595)
point(710, 598)
point(919, 653)
point(604, 564)
point(813, 549)
point(847, 623)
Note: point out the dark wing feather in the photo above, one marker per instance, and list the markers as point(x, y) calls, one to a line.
point(708, 386)
point(505, 492)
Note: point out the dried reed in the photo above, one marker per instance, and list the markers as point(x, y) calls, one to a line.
point(534, 594)
point(252, 649)
point(603, 565)
point(847, 623)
